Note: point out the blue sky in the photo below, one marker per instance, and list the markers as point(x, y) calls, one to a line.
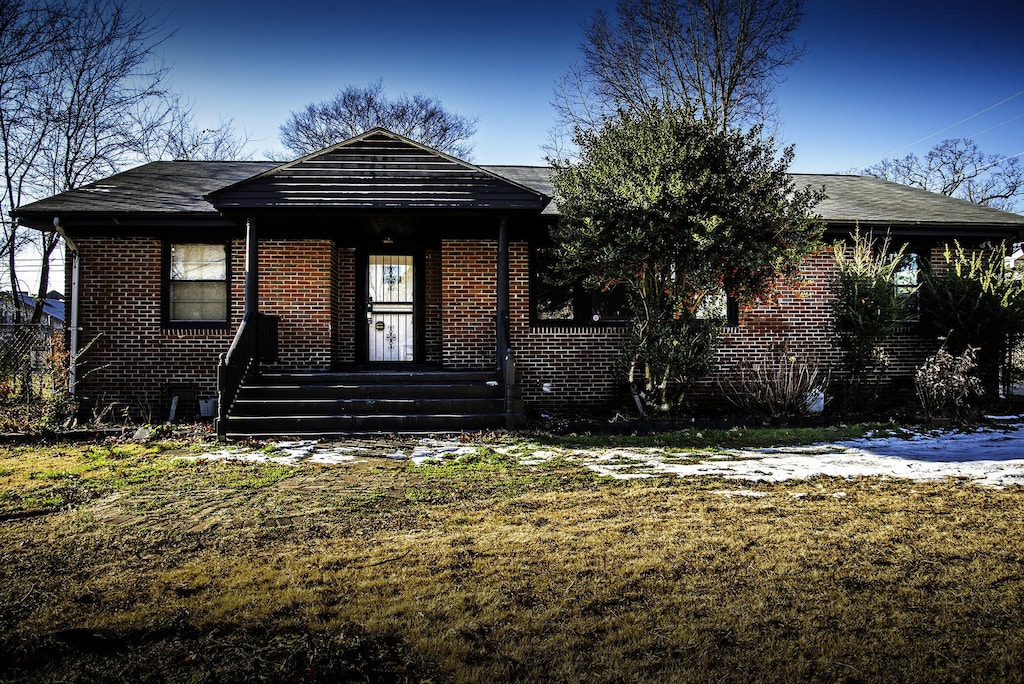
point(879, 78)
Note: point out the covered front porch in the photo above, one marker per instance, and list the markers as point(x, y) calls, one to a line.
point(375, 295)
point(383, 341)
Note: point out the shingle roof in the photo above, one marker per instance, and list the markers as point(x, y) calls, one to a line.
point(173, 187)
point(873, 200)
point(178, 187)
point(849, 199)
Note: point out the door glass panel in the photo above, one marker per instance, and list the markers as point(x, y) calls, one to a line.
point(390, 307)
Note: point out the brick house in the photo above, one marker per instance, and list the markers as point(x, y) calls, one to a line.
point(380, 285)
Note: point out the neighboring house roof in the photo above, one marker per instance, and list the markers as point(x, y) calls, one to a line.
point(52, 307)
point(382, 170)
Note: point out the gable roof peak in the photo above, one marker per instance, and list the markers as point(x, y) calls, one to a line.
point(378, 169)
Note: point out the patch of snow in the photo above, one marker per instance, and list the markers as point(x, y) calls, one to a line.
point(436, 451)
point(290, 453)
point(988, 456)
point(537, 458)
point(739, 492)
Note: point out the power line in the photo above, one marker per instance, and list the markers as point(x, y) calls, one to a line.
point(962, 121)
point(999, 161)
point(998, 125)
point(943, 130)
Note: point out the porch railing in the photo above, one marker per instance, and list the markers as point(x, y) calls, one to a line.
point(255, 341)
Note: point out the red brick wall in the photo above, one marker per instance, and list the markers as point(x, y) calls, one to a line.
point(559, 366)
point(801, 321)
point(468, 302)
point(310, 284)
point(295, 284)
point(576, 364)
point(132, 358)
point(579, 364)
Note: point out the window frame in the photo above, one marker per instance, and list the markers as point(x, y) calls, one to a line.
point(583, 298)
point(922, 255)
point(170, 323)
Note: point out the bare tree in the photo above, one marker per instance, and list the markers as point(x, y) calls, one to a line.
point(179, 137)
point(223, 142)
point(957, 168)
point(82, 95)
point(23, 30)
point(355, 110)
point(720, 58)
point(100, 76)
point(96, 73)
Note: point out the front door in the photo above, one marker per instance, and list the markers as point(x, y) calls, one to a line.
point(390, 308)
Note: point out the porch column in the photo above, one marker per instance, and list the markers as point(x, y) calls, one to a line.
point(252, 275)
point(503, 341)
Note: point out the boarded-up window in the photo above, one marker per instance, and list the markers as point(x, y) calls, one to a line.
point(198, 283)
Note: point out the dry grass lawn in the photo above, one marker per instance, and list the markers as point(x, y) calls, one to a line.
point(126, 562)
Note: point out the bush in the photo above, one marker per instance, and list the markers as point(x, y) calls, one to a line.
point(666, 356)
point(866, 308)
point(947, 385)
point(787, 385)
point(975, 302)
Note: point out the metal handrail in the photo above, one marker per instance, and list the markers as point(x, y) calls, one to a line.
point(234, 367)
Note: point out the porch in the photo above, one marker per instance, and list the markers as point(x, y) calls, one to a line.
point(372, 339)
point(384, 268)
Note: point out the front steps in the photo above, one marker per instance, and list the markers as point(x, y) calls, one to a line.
point(370, 402)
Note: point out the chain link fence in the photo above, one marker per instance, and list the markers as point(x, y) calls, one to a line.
point(31, 358)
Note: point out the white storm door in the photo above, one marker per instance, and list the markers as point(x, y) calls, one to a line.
point(390, 306)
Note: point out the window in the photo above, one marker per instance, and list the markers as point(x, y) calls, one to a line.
point(720, 305)
point(558, 302)
point(906, 281)
point(197, 284)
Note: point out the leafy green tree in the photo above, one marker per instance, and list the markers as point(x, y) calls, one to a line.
point(679, 213)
